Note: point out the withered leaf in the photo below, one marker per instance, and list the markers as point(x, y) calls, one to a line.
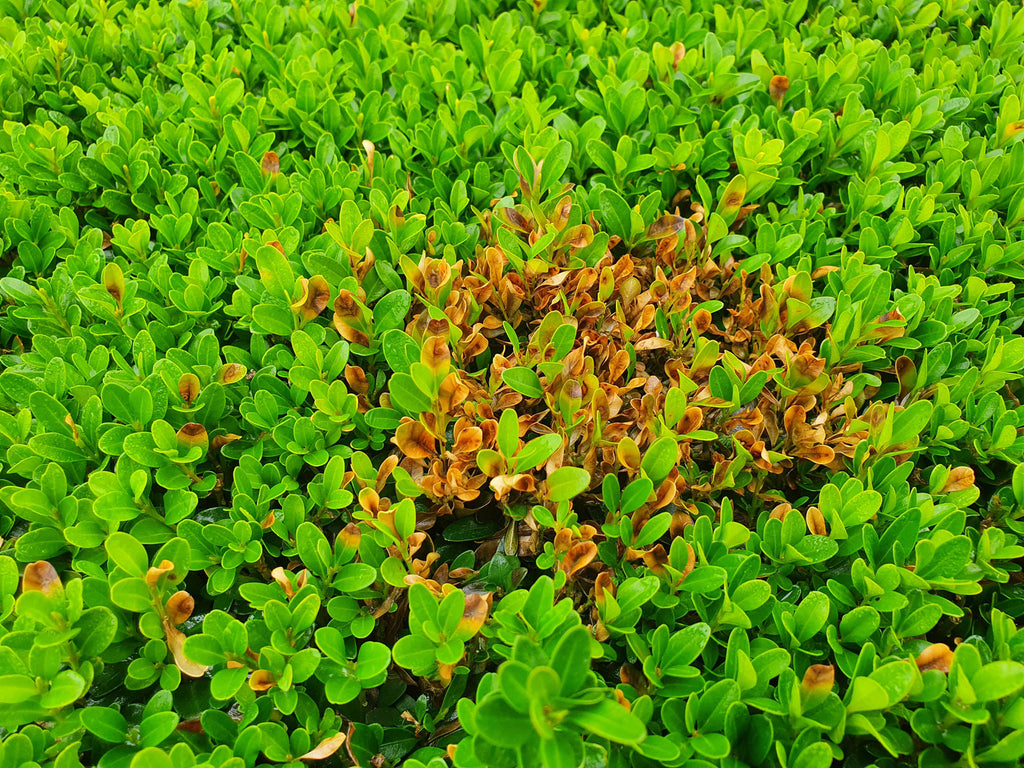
point(413, 439)
point(270, 163)
point(960, 479)
point(40, 576)
point(179, 607)
point(325, 748)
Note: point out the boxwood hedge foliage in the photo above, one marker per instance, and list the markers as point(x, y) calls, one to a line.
point(487, 383)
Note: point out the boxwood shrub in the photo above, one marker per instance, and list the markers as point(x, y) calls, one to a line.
point(502, 384)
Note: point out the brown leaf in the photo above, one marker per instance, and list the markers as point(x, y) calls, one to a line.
point(261, 680)
point(475, 613)
point(603, 584)
point(777, 88)
point(221, 440)
point(579, 236)
point(693, 417)
point(437, 273)
point(188, 388)
point(325, 748)
point(665, 226)
point(413, 439)
point(40, 576)
point(816, 522)
point(906, 374)
point(701, 320)
point(502, 485)
point(154, 573)
point(349, 537)
point(935, 656)
point(579, 557)
point(193, 434)
point(452, 392)
point(620, 697)
point(271, 163)
point(819, 454)
point(652, 342)
point(113, 281)
point(349, 319)
point(229, 373)
point(819, 678)
point(629, 454)
point(179, 607)
point(436, 355)
point(281, 577)
point(355, 377)
point(678, 54)
point(316, 295)
point(370, 152)
point(176, 642)
point(960, 479)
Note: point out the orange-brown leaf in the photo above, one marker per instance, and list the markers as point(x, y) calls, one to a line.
point(229, 373)
point(316, 295)
point(188, 388)
point(413, 439)
point(193, 434)
point(261, 680)
point(579, 557)
point(777, 88)
point(475, 614)
point(960, 479)
point(281, 577)
point(935, 656)
point(325, 748)
point(436, 355)
point(816, 522)
point(154, 573)
point(819, 454)
point(819, 678)
point(176, 642)
point(179, 607)
point(271, 163)
point(40, 576)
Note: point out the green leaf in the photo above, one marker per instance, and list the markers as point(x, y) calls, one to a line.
point(908, 423)
point(275, 272)
point(56, 447)
point(414, 653)
point(636, 495)
point(997, 680)
point(866, 695)
point(67, 687)
point(525, 381)
point(407, 396)
point(389, 312)
point(566, 482)
point(226, 682)
point(660, 459)
point(536, 452)
point(500, 724)
point(609, 720)
point(615, 214)
point(14, 689)
point(157, 727)
point(106, 723)
point(127, 553)
point(810, 617)
point(400, 350)
point(571, 659)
